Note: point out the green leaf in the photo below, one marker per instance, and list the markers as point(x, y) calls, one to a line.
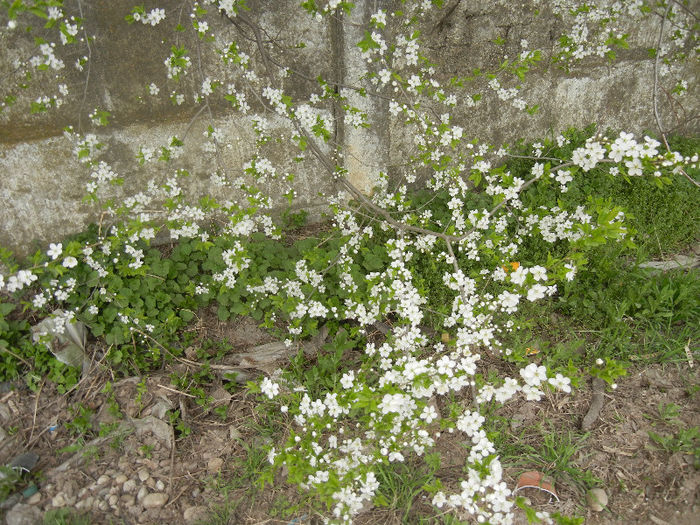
point(367, 42)
point(223, 313)
point(38, 12)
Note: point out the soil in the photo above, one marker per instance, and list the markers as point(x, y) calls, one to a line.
point(148, 471)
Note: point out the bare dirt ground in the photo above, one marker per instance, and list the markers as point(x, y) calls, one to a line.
point(146, 470)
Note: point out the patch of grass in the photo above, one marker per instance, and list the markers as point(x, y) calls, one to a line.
point(66, 517)
point(613, 308)
point(400, 484)
point(10, 480)
point(324, 372)
point(685, 440)
point(80, 423)
point(224, 514)
point(556, 456)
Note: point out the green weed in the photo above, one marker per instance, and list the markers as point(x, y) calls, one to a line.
point(557, 455)
point(66, 517)
point(401, 484)
point(685, 440)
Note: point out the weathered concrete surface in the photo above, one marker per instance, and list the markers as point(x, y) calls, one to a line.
point(41, 184)
point(125, 59)
point(616, 95)
point(366, 151)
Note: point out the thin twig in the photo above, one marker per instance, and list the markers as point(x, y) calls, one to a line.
point(36, 407)
point(172, 464)
point(656, 76)
point(16, 356)
point(174, 391)
point(465, 301)
point(193, 120)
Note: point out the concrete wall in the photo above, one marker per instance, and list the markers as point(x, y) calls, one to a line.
point(42, 183)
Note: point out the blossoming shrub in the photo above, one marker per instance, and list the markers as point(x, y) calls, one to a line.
point(477, 244)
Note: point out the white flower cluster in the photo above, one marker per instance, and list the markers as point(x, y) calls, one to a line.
point(20, 280)
point(152, 18)
point(235, 260)
point(588, 156)
point(275, 98)
point(176, 64)
point(102, 175)
point(47, 57)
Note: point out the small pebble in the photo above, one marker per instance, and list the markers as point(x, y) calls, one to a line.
point(102, 479)
point(143, 474)
point(143, 492)
point(160, 486)
point(195, 514)
point(58, 500)
point(154, 500)
point(597, 499)
point(120, 479)
point(129, 485)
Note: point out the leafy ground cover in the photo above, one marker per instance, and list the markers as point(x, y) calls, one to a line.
point(162, 427)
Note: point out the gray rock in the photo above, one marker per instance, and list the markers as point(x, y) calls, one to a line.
point(143, 492)
point(102, 480)
point(195, 514)
point(678, 261)
point(22, 514)
point(129, 485)
point(120, 479)
point(157, 427)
